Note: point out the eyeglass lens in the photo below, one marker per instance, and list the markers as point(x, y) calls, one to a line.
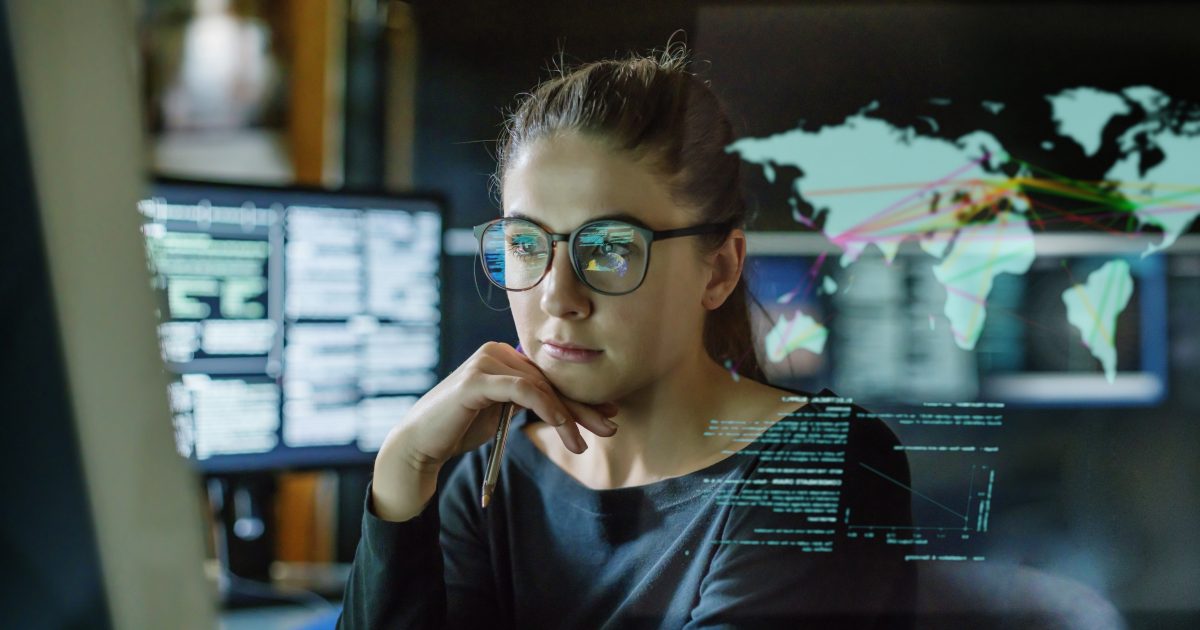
point(611, 255)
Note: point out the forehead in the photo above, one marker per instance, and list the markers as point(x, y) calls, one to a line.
point(567, 180)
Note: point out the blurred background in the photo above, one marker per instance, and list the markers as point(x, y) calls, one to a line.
point(241, 248)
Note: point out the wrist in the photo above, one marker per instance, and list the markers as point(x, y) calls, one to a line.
point(403, 483)
point(397, 448)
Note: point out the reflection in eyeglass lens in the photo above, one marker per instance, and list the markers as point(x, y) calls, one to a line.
point(526, 252)
point(610, 255)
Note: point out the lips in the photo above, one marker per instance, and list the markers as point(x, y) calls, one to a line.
point(571, 352)
point(569, 346)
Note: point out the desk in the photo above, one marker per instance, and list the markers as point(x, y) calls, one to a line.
point(279, 618)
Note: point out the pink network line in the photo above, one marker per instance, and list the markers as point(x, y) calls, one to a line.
point(913, 195)
point(865, 229)
point(1121, 213)
point(997, 194)
point(859, 234)
point(807, 282)
point(963, 294)
point(962, 238)
point(788, 332)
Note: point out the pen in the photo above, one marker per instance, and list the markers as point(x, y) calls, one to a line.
point(493, 467)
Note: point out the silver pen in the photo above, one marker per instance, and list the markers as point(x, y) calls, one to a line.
point(493, 467)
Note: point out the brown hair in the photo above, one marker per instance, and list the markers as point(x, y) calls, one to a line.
point(653, 107)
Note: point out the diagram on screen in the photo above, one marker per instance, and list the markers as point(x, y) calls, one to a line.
point(953, 460)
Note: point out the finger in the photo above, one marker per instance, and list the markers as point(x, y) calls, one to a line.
point(518, 389)
point(593, 417)
point(571, 438)
point(492, 364)
point(564, 421)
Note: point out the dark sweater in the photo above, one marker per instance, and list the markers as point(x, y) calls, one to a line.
point(726, 546)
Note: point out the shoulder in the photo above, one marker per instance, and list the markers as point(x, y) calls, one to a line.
point(866, 430)
point(876, 469)
point(872, 459)
point(765, 403)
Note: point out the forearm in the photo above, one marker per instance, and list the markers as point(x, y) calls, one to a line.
point(397, 579)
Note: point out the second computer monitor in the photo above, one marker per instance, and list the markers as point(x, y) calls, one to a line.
point(302, 324)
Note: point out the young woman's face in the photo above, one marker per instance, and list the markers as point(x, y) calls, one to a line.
point(637, 338)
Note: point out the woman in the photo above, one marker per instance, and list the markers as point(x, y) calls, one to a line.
point(642, 482)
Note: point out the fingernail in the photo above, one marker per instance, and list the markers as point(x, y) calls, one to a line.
point(582, 444)
point(610, 424)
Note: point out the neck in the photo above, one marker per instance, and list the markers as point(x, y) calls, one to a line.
point(661, 428)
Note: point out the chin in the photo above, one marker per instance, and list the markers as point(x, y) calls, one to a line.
point(590, 389)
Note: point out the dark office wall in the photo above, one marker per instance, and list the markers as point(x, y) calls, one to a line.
point(52, 576)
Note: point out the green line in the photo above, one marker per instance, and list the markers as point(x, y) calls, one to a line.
point(1126, 205)
point(1185, 192)
point(1108, 200)
point(1101, 192)
point(1131, 207)
point(1117, 203)
point(1033, 210)
point(1055, 175)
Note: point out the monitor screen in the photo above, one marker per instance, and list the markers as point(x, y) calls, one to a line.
point(879, 330)
point(301, 324)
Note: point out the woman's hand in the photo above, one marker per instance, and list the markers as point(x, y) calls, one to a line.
point(462, 412)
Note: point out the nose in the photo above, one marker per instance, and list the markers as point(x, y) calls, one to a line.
point(563, 295)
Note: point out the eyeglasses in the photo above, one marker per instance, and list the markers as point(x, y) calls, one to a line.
point(608, 256)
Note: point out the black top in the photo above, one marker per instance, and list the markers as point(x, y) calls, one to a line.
point(756, 539)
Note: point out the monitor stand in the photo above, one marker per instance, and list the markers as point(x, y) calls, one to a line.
point(245, 538)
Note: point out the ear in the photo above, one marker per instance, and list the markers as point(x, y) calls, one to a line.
point(725, 270)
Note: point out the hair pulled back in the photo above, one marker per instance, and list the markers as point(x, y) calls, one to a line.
point(652, 108)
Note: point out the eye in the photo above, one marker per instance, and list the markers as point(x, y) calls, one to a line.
point(520, 252)
point(608, 240)
point(522, 246)
point(614, 247)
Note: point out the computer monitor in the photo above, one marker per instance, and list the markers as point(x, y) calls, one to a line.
point(301, 324)
point(878, 330)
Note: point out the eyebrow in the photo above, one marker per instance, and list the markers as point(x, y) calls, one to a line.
point(610, 216)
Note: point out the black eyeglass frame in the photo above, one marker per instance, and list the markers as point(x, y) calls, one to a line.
point(649, 235)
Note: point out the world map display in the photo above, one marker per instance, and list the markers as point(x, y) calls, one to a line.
point(968, 202)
